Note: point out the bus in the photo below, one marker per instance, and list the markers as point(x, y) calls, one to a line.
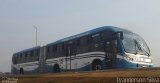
point(27, 60)
point(103, 48)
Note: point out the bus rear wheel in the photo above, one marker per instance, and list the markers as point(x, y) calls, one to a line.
point(97, 65)
point(21, 71)
point(56, 68)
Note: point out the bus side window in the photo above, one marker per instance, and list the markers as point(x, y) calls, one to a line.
point(15, 59)
point(23, 59)
point(74, 48)
point(106, 35)
point(116, 47)
point(60, 47)
point(19, 58)
point(96, 38)
point(83, 41)
point(25, 55)
point(77, 42)
point(107, 46)
point(112, 46)
point(28, 56)
point(50, 49)
point(89, 39)
point(31, 54)
point(35, 54)
point(54, 48)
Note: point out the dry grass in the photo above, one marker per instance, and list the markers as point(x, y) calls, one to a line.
point(87, 77)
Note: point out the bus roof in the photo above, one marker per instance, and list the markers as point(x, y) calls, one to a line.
point(93, 31)
point(96, 30)
point(26, 50)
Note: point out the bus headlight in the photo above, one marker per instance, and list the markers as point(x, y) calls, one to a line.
point(148, 60)
point(142, 59)
point(130, 58)
point(137, 59)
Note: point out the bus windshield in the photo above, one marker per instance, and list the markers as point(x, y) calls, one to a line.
point(133, 43)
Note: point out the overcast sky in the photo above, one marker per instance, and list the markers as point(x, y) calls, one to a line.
point(57, 19)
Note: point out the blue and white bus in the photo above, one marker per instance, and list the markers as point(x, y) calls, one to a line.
point(26, 61)
point(102, 48)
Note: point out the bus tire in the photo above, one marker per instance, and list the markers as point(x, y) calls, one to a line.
point(56, 68)
point(21, 71)
point(97, 65)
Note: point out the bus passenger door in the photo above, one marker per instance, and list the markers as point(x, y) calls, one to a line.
point(42, 59)
point(69, 57)
point(110, 53)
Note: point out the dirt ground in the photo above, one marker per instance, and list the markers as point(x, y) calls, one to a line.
point(108, 76)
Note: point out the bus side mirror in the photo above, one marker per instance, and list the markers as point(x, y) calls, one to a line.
point(118, 34)
point(121, 35)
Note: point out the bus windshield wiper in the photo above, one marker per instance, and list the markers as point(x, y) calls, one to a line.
point(135, 47)
point(140, 48)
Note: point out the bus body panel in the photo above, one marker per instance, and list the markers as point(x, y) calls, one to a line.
point(98, 48)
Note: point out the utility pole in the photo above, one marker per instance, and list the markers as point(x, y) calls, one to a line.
point(36, 34)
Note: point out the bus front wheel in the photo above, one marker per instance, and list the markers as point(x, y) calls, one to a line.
point(97, 65)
